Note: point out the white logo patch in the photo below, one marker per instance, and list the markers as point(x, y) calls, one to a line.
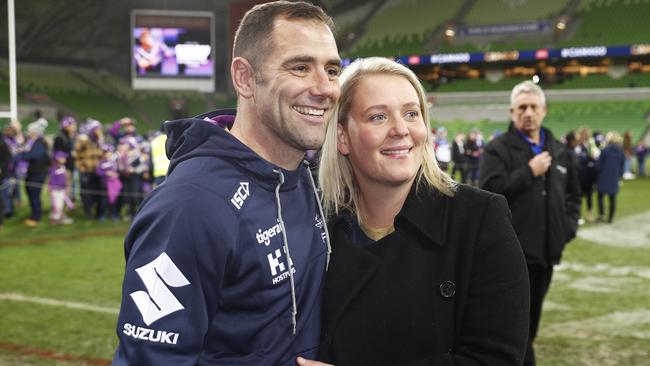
point(319, 224)
point(266, 235)
point(158, 301)
point(150, 335)
point(561, 169)
point(277, 265)
point(240, 195)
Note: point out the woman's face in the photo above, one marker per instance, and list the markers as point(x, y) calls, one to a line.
point(384, 133)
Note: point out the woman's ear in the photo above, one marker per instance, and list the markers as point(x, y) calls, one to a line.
point(243, 77)
point(342, 140)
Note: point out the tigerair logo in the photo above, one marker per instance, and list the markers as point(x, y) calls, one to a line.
point(158, 301)
point(240, 196)
point(264, 237)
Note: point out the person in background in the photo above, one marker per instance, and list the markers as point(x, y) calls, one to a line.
point(59, 186)
point(122, 128)
point(128, 158)
point(228, 256)
point(611, 168)
point(5, 160)
point(38, 160)
point(143, 170)
point(442, 149)
point(107, 171)
point(65, 142)
point(423, 271)
point(458, 157)
point(628, 150)
point(159, 159)
point(87, 153)
point(473, 152)
point(13, 137)
point(537, 175)
point(641, 152)
point(151, 51)
point(587, 153)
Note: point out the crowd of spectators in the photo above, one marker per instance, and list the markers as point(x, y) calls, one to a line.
point(605, 160)
point(104, 171)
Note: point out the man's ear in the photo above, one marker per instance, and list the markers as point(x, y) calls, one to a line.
point(342, 140)
point(243, 77)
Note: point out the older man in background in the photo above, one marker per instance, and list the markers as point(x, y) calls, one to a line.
point(537, 175)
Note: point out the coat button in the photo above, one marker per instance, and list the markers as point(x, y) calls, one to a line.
point(447, 289)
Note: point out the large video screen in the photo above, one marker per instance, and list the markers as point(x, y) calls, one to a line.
point(172, 50)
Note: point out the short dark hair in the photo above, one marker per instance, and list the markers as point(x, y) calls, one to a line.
point(253, 38)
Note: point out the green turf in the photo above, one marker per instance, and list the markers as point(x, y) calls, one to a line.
point(43, 263)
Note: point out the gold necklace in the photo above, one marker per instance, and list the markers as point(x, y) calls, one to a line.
point(377, 234)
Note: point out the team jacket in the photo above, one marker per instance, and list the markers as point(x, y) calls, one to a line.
point(208, 256)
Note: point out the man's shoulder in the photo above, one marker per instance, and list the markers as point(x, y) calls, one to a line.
point(503, 141)
point(473, 196)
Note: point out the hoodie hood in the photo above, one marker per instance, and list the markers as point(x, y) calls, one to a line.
point(206, 135)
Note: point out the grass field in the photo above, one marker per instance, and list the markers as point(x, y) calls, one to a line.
point(60, 292)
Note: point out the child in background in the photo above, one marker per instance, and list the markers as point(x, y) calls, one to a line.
point(111, 185)
point(59, 188)
point(128, 159)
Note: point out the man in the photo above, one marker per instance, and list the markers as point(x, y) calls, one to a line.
point(537, 175)
point(226, 259)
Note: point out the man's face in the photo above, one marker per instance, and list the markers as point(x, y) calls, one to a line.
point(297, 84)
point(528, 113)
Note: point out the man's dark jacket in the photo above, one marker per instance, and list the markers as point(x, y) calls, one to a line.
point(545, 209)
point(448, 287)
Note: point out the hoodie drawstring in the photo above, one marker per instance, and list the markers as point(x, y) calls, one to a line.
point(322, 216)
point(294, 310)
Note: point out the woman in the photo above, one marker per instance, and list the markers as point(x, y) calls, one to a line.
point(423, 272)
point(587, 152)
point(611, 163)
point(38, 159)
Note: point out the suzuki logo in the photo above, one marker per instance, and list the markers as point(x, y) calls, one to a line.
point(158, 301)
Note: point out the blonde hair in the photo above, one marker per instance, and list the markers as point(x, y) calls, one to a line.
point(613, 137)
point(336, 177)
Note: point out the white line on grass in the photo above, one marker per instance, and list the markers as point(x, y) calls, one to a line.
point(632, 323)
point(632, 231)
point(605, 269)
point(60, 303)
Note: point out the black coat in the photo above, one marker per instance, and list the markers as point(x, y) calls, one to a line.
point(5, 159)
point(611, 164)
point(64, 142)
point(545, 210)
point(448, 287)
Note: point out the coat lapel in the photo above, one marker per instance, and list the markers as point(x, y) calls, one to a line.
point(426, 210)
point(350, 269)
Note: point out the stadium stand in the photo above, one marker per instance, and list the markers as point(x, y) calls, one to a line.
point(490, 12)
point(87, 93)
point(611, 22)
point(400, 27)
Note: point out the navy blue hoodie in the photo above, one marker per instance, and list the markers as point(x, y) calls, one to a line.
point(207, 277)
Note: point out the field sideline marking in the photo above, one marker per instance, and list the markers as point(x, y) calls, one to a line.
point(632, 231)
point(52, 355)
point(65, 237)
point(60, 303)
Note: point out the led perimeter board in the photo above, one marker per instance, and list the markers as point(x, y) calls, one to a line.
point(172, 50)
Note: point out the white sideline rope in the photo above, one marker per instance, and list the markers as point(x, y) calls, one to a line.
point(80, 191)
